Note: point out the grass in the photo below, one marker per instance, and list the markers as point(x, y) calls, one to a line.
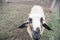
point(12, 16)
point(54, 23)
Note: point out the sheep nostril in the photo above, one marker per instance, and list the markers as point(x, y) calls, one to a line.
point(36, 34)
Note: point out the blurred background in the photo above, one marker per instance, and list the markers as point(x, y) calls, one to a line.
point(14, 12)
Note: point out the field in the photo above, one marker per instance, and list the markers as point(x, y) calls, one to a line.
point(54, 23)
point(12, 15)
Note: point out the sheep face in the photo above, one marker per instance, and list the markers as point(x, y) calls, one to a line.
point(35, 20)
point(35, 27)
point(34, 23)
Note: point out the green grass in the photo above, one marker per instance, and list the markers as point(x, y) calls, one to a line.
point(54, 23)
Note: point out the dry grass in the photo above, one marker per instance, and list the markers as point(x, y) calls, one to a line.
point(10, 18)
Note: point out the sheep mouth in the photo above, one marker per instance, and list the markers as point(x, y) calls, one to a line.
point(36, 34)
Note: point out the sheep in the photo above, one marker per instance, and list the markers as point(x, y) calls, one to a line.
point(36, 22)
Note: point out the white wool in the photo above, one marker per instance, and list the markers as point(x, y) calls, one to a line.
point(37, 9)
point(36, 13)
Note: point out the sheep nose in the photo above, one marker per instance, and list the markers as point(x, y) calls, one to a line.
point(36, 34)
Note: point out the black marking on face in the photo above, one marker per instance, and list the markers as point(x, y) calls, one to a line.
point(23, 25)
point(30, 20)
point(36, 34)
point(41, 19)
point(46, 26)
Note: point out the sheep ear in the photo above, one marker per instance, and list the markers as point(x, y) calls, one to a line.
point(46, 26)
point(23, 25)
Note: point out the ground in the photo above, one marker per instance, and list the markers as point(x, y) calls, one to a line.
point(14, 13)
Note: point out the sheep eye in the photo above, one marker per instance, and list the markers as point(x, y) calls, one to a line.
point(30, 20)
point(41, 19)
